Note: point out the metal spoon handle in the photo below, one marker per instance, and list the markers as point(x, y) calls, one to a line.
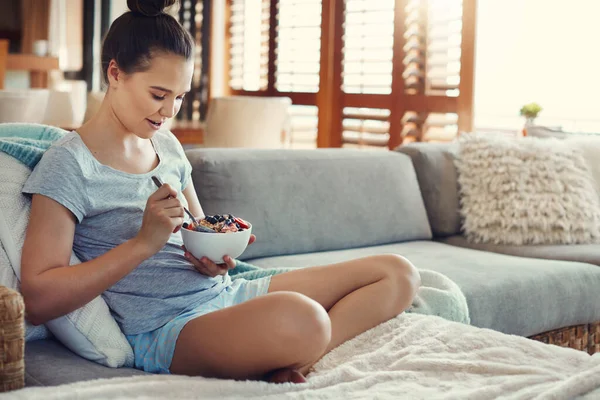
point(159, 183)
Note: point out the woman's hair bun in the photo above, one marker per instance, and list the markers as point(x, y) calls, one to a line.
point(149, 8)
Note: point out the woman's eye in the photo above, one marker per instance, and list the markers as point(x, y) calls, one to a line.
point(180, 98)
point(158, 97)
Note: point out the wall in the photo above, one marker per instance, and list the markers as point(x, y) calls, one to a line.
point(542, 51)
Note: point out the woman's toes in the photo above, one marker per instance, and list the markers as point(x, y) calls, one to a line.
point(285, 375)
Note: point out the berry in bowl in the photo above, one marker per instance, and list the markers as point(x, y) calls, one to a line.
point(216, 236)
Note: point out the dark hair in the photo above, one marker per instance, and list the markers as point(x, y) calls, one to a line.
point(136, 36)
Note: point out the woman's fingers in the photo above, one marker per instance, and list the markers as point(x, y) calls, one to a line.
point(252, 239)
point(208, 267)
point(169, 203)
point(229, 264)
point(163, 192)
point(176, 216)
point(203, 268)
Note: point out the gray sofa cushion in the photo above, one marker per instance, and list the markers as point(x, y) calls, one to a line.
point(587, 253)
point(434, 165)
point(301, 201)
point(49, 363)
point(515, 295)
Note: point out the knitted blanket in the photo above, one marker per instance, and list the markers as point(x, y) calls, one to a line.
point(28, 142)
point(409, 357)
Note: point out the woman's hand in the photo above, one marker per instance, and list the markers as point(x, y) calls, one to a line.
point(163, 215)
point(209, 268)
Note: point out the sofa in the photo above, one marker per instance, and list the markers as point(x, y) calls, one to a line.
point(313, 207)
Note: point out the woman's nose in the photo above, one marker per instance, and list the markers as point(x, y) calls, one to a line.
point(169, 109)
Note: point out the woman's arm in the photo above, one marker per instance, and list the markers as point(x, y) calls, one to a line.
point(192, 199)
point(51, 288)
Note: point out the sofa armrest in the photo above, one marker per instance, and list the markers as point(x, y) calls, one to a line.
point(438, 181)
point(12, 340)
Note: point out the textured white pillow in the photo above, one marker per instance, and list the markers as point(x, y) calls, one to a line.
point(9, 280)
point(526, 191)
point(589, 145)
point(90, 331)
point(8, 277)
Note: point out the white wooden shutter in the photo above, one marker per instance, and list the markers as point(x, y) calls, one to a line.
point(249, 44)
point(298, 45)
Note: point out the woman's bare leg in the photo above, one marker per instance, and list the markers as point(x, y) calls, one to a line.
point(283, 330)
point(357, 294)
point(289, 328)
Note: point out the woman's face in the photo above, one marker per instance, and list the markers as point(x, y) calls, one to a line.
point(143, 101)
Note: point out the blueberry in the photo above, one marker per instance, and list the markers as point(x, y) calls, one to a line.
point(185, 225)
point(211, 220)
point(220, 218)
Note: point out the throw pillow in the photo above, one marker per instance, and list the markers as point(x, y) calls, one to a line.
point(589, 145)
point(8, 277)
point(90, 331)
point(526, 191)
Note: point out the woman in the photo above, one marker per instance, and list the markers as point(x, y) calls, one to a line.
point(92, 192)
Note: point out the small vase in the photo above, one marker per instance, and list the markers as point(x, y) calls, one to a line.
point(529, 121)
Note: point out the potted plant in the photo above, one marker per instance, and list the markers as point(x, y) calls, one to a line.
point(530, 112)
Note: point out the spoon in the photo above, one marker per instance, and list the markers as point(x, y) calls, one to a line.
point(159, 183)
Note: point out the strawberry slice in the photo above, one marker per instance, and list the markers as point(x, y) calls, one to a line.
point(241, 223)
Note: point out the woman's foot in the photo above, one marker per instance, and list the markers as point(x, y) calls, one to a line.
point(285, 375)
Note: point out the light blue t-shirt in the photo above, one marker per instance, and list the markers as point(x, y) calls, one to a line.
point(109, 206)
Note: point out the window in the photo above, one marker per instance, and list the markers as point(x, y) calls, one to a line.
point(277, 52)
point(304, 122)
point(249, 44)
point(298, 41)
point(550, 60)
point(376, 72)
point(368, 46)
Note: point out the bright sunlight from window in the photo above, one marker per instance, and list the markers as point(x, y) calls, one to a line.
point(538, 51)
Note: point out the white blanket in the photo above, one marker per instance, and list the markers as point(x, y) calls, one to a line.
point(410, 357)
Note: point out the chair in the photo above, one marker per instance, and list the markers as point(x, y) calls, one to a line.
point(247, 121)
point(67, 104)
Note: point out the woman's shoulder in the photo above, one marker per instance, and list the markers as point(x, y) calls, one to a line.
point(68, 150)
point(168, 142)
point(68, 143)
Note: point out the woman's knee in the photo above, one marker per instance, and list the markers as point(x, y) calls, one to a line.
point(403, 277)
point(303, 322)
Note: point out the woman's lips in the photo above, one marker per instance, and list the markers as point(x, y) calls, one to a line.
point(154, 125)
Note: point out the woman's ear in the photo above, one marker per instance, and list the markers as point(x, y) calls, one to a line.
point(114, 74)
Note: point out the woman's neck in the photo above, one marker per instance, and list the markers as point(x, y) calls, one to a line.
point(105, 132)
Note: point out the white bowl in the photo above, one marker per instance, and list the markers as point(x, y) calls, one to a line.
point(27, 105)
point(216, 245)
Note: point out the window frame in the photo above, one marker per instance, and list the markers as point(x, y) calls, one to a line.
point(331, 99)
